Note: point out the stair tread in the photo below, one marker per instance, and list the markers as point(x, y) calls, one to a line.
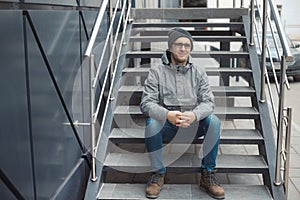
point(189, 13)
point(143, 71)
point(217, 90)
point(182, 191)
point(195, 38)
point(238, 136)
point(187, 24)
point(194, 54)
point(185, 162)
point(240, 112)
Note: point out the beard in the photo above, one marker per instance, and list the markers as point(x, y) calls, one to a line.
point(179, 60)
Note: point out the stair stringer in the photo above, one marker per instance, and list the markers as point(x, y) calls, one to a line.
point(266, 124)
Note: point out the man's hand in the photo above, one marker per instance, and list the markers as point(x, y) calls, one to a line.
point(181, 119)
point(174, 117)
point(187, 118)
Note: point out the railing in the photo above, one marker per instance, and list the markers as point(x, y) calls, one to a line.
point(273, 26)
point(107, 63)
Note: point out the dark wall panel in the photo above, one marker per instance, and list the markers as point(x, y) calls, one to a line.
point(55, 148)
point(38, 146)
point(15, 154)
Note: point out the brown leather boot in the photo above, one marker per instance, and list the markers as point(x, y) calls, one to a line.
point(154, 185)
point(209, 183)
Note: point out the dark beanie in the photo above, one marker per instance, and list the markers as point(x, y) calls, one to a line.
point(175, 33)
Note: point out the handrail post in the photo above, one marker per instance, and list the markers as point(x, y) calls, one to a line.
point(264, 45)
point(287, 150)
point(252, 18)
point(92, 128)
point(279, 152)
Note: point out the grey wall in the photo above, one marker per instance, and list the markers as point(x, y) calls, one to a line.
point(38, 149)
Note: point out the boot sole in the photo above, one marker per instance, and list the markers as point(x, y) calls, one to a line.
point(210, 194)
point(152, 196)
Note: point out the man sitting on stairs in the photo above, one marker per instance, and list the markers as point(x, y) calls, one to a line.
point(179, 104)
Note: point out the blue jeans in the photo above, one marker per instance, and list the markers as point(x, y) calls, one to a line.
point(159, 131)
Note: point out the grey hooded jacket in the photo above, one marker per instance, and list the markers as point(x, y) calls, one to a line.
point(170, 87)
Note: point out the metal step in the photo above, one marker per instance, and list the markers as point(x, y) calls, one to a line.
point(201, 32)
point(221, 112)
point(228, 136)
point(195, 38)
point(188, 13)
point(130, 90)
point(143, 71)
point(184, 163)
point(194, 54)
point(182, 191)
point(187, 24)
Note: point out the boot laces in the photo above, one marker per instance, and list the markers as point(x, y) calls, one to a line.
point(155, 179)
point(213, 179)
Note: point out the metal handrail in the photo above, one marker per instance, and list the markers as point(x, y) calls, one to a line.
point(282, 36)
point(100, 64)
point(114, 72)
point(280, 87)
point(96, 29)
point(94, 78)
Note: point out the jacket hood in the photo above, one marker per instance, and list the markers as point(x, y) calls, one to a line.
point(166, 60)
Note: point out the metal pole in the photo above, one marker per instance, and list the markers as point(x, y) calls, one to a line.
point(92, 99)
point(242, 3)
point(264, 45)
point(252, 18)
point(287, 150)
point(278, 180)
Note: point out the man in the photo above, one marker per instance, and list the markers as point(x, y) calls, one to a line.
point(177, 100)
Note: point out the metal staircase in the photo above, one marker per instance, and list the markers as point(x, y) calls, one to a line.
point(124, 166)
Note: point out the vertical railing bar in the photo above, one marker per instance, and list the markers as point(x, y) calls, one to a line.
point(287, 150)
point(252, 18)
point(277, 180)
point(92, 128)
point(263, 63)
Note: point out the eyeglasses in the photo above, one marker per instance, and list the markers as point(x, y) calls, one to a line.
point(180, 45)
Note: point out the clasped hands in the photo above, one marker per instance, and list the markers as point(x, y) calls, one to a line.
point(181, 119)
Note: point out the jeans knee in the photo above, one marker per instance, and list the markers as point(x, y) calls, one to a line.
point(215, 123)
point(152, 127)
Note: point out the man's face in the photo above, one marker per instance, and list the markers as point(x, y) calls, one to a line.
point(180, 49)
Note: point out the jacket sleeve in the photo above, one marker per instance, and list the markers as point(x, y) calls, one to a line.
point(150, 98)
point(205, 97)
